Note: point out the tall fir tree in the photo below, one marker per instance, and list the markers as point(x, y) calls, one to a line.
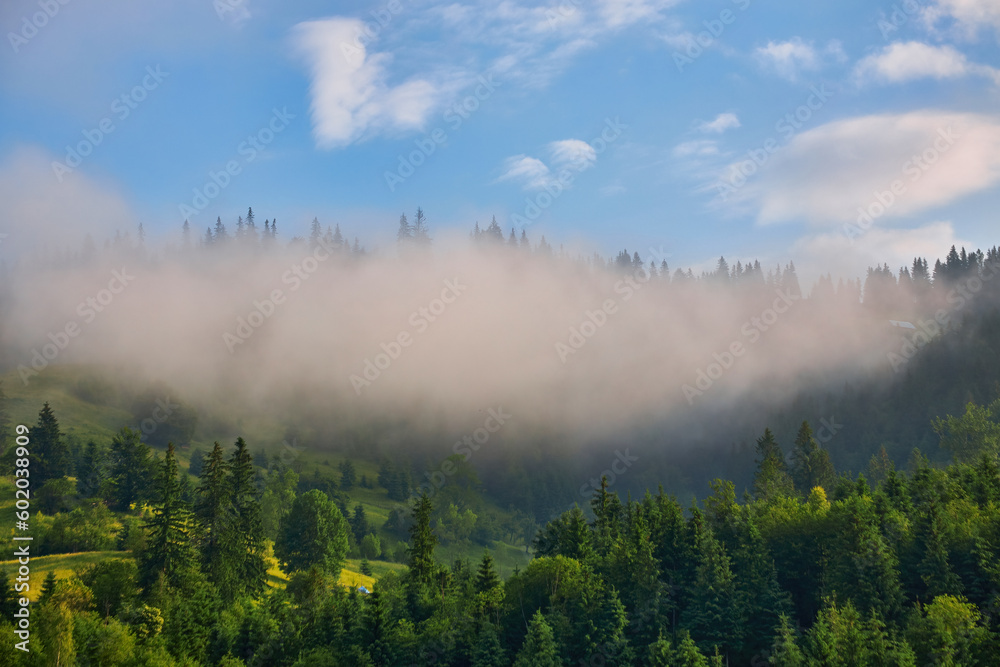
point(251, 563)
point(539, 648)
point(130, 469)
point(215, 516)
point(422, 542)
point(168, 552)
point(91, 470)
point(51, 455)
point(772, 478)
point(811, 466)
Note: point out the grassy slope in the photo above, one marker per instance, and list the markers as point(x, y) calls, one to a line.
point(84, 421)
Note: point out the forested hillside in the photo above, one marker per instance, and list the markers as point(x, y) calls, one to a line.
point(814, 516)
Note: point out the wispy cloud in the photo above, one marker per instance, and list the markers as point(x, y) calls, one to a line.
point(722, 122)
point(530, 172)
point(824, 175)
point(696, 148)
point(965, 18)
point(367, 92)
point(907, 61)
point(791, 58)
point(534, 174)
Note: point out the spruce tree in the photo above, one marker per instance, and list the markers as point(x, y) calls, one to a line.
point(348, 476)
point(91, 470)
point(487, 578)
point(250, 561)
point(167, 553)
point(488, 652)
point(539, 648)
point(421, 234)
point(48, 587)
point(422, 542)
point(785, 651)
point(130, 469)
point(359, 524)
point(772, 478)
point(214, 513)
point(811, 466)
point(51, 455)
point(405, 232)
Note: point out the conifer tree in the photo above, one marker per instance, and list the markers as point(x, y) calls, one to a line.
point(213, 511)
point(539, 648)
point(811, 466)
point(249, 556)
point(422, 542)
point(167, 553)
point(130, 471)
point(51, 455)
point(488, 651)
point(48, 587)
point(91, 470)
point(772, 478)
point(487, 578)
point(421, 235)
point(405, 232)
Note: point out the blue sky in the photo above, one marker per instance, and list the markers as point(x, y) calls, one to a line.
point(686, 93)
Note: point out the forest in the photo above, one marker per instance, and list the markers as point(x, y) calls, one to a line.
point(781, 537)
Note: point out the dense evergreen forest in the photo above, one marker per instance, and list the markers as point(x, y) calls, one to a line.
point(871, 539)
point(811, 568)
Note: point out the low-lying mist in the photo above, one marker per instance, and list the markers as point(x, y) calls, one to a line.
point(434, 339)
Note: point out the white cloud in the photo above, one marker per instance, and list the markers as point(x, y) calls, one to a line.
point(722, 122)
point(350, 94)
point(824, 175)
point(789, 58)
point(531, 172)
point(395, 90)
point(907, 61)
point(573, 154)
point(617, 13)
point(698, 148)
point(967, 17)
